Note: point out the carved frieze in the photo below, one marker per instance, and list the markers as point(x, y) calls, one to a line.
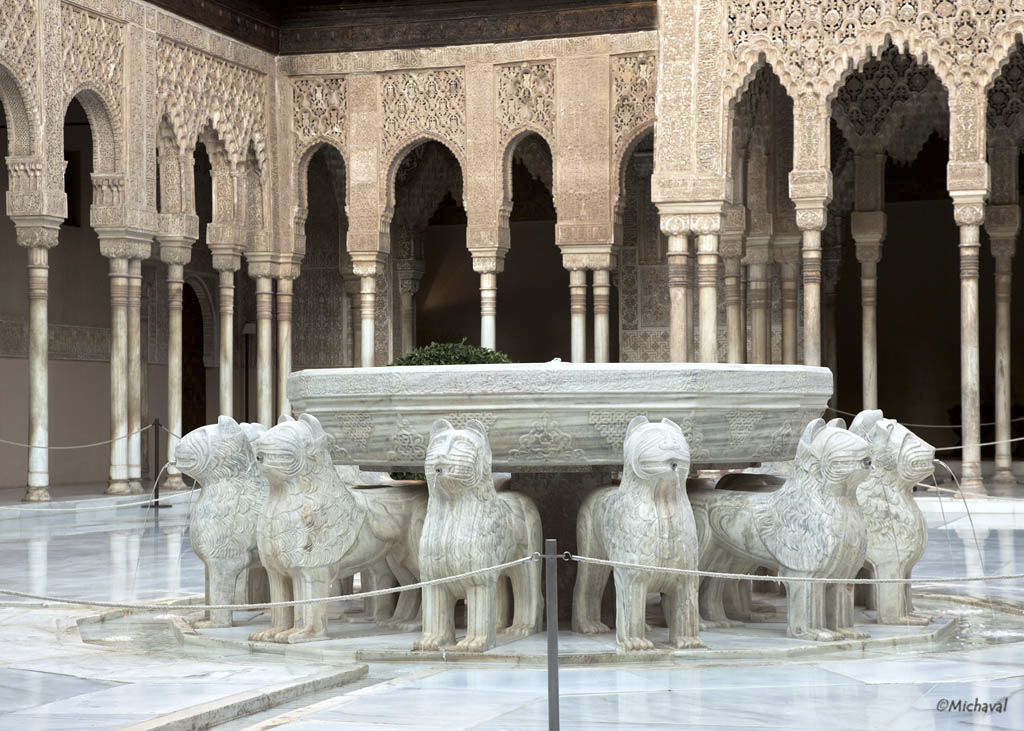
point(319, 106)
point(418, 104)
point(526, 98)
point(633, 86)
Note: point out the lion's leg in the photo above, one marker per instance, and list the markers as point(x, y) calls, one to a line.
point(682, 613)
point(315, 583)
point(503, 603)
point(221, 588)
point(893, 600)
point(806, 612)
point(736, 599)
point(525, 616)
point(630, 610)
point(481, 616)
point(407, 609)
point(438, 618)
point(910, 616)
point(839, 611)
point(381, 608)
point(711, 602)
point(591, 579)
point(281, 618)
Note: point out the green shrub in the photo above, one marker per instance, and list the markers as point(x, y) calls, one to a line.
point(460, 353)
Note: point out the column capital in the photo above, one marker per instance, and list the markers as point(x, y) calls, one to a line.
point(867, 227)
point(786, 249)
point(968, 209)
point(699, 217)
point(810, 214)
point(487, 261)
point(367, 263)
point(260, 264)
point(37, 231)
point(226, 259)
point(125, 246)
point(596, 256)
point(289, 265)
point(175, 249)
point(1002, 222)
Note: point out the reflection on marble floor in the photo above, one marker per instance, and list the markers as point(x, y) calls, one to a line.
point(49, 679)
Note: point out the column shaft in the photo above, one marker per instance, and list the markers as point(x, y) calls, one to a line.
point(811, 256)
point(733, 309)
point(1003, 465)
point(367, 310)
point(969, 355)
point(488, 309)
point(118, 477)
point(679, 336)
point(869, 336)
point(175, 284)
point(38, 376)
point(578, 314)
point(226, 303)
point(602, 305)
point(789, 297)
point(135, 374)
point(265, 351)
point(759, 299)
point(707, 287)
point(284, 342)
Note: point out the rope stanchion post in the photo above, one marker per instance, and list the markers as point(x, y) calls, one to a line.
point(551, 607)
point(156, 471)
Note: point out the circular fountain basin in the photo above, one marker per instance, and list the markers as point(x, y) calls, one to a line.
point(563, 416)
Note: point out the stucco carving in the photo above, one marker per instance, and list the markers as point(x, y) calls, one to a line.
point(526, 98)
point(645, 520)
point(896, 530)
point(319, 108)
point(811, 526)
point(223, 525)
point(314, 530)
point(471, 526)
point(633, 87)
point(418, 104)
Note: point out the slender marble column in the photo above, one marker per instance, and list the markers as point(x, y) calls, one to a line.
point(868, 229)
point(578, 314)
point(407, 290)
point(679, 336)
point(134, 311)
point(810, 252)
point(38, 241)
point(831, 260)
point(265, 350)
point(707, 288)
point(284, 342)
point(118, 482)
point(602, 305)
point(730, 247)
point(367, 312)
point(226, 305)
point(758, 260)
point(488, 265)
point(786, 249)
point(175, 285)
point(1003, 251)
point(969, 217)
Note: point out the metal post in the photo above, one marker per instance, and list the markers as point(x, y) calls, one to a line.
point(551, 603)
point(156, 469)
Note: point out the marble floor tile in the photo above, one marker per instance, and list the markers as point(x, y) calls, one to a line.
point(20, 689)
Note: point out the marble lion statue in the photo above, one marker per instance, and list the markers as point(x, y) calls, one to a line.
point(645, 520)
point(896, 531)
point(811, 526)
point(314, 530)
point(223, 524)
point(470, 525)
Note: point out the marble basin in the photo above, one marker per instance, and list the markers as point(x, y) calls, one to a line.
point(548, 417)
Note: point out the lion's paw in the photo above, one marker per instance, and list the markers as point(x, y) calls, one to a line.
point(266, 635)
point(706, 624)
point(517, 630)
point(816, 635)
point(473, 643)
point(428, 642)
point(636, 644)
point(591, 628)
point(852, 634)
point(918, 620)
point(208, 624)
point(687, 643)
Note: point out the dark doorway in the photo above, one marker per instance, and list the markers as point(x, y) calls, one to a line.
point(193, 370)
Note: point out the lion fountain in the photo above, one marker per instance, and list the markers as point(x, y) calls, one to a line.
point(812, 526)
point(469, 525)
point(645, 520)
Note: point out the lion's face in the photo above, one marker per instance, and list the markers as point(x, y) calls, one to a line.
point(213, 452)
point(894, 448)
point(458, 460)
point(656, 451)
point(841, 458)
point(291, 448)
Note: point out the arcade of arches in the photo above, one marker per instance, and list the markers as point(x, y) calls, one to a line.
point(189, 218)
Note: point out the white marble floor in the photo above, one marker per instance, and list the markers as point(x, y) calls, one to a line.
point(50, 679)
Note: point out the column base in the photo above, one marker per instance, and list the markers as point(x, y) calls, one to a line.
point(119, 487)
point(173, 481)
point(1004, 478)
point(972, 486)
point(36, 495)
point(136, 486)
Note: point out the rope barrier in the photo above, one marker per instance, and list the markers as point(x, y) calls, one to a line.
point(77, 446)
point(983, 444)
point(784, 579)
point(108, 506)
point(272, 605)
point(928, 426)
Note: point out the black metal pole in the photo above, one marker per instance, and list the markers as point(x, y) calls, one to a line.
point(551, 604)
